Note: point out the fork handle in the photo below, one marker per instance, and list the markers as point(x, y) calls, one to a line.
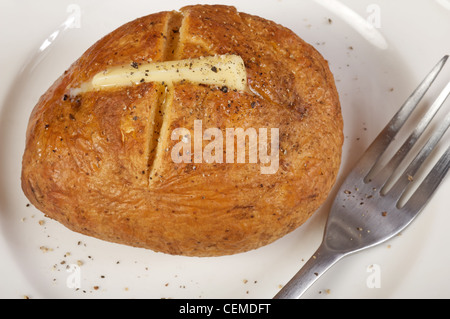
point(316, 266)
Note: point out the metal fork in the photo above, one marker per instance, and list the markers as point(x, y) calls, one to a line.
point(366, 212)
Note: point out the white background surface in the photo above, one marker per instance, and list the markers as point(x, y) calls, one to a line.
point(373, 79)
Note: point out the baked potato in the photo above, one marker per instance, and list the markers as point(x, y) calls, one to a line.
point(101, 161)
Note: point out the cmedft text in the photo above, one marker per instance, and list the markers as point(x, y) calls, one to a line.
point(229, 308)
point(246, 308)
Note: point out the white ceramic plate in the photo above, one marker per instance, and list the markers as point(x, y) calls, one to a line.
point(378, 50)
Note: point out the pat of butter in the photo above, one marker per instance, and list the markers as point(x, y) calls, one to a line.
point(222, 70)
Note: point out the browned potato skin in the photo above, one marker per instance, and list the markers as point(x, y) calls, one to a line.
point(87, 159)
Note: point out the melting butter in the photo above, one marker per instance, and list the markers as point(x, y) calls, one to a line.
point(221, 70)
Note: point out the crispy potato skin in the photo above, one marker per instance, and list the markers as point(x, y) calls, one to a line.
point(90, 163)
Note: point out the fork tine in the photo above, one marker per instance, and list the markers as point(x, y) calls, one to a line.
point(379, 145)
point(426, 189)
point(408, 175)
point(385, 175)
